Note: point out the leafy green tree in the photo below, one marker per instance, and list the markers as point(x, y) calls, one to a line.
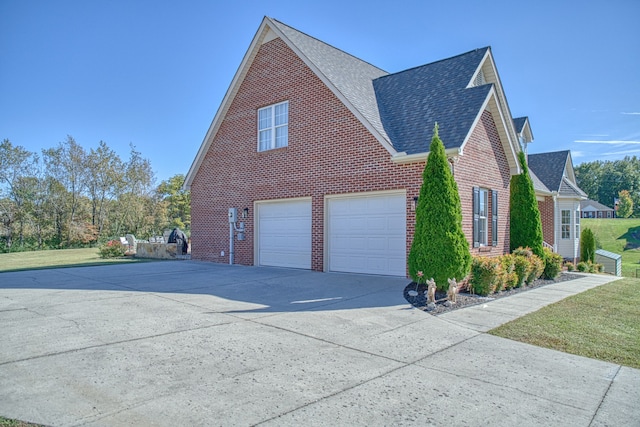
point(625, 204)
point(587, 246)
point(603, 180)
point(16, 164)
point(67, 163)
point(105, 174)
point(439, 248)
point(526, 226)
point(177, 200)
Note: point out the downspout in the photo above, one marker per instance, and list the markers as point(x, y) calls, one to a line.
point(555, 226)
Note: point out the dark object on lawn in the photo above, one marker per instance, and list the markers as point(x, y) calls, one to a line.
point(180, 239)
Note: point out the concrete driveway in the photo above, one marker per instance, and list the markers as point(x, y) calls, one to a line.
point(189, 343)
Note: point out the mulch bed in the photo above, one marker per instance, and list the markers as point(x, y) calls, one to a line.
point(465, 299)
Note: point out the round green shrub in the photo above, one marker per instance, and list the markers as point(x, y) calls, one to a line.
point(485, 275)
point(582, 267)
point(112, 249)
point(552, 264)
point(522, 268)
point(537, 268)
point(525, 252)
point(509, 280)
point(570, 266)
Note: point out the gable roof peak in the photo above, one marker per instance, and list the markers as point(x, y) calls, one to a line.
point(282, 24)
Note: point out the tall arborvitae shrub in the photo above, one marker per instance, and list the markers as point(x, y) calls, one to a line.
point(587, 246)
point(439, 248)
point(525, 226)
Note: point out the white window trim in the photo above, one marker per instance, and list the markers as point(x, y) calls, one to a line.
point(272, 127)
point(483, 199)
point(563, 224)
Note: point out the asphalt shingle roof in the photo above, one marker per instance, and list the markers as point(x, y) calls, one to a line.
point(549, 167)
point(412, 101)
point(350, 75)
point(518, 123)
point(537, 183)
point(597, 205)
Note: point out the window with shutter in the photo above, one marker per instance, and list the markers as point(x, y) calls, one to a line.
point(480, 217)
point(476, 216)
point(494, 217)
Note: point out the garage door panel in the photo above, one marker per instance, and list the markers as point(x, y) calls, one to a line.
point(367, 234)
point(284, 234)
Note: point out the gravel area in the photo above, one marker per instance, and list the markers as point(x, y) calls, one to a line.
point(465, 299)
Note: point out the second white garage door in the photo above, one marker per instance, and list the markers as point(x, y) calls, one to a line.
point(284, 233)
point(367, 234)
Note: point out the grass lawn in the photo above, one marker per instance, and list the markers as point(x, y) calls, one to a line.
point(619, 236)
point(5, 422)
point(15, 261)
point(601, 323)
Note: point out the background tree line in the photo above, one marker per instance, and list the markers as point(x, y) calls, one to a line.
point(67, 197)
point(604, 180)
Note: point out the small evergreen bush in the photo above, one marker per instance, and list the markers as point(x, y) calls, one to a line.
point(526, 226)
point(536, 265)
point(537, 268)
point(485, 274)
point(590, 267)
point(587, 246)
point(508, 278)
point(525, 252)
point(552, 264)
point(112, 249)
point(522, 268)
point(570, 266)
point(439, 248)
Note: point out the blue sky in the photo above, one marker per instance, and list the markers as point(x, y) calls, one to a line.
point(153, 73)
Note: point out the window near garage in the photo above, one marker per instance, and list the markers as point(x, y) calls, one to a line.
point(273, 126)
point(480, 223)
point(566, 224)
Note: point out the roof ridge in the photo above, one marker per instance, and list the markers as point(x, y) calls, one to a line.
point(550, 152)
point(436, 62)
point(327, 44)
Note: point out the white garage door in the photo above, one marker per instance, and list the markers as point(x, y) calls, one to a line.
point(367, 234)
point(284, 234)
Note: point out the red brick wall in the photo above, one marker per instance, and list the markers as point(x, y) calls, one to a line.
point(484, 164)
point(547, 219)
point(329, 152)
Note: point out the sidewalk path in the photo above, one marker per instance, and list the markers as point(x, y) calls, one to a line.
point(484, 317)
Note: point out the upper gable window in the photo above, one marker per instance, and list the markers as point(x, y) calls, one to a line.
point(273, 126)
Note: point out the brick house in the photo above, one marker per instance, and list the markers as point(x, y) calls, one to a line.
point(559, 199)
point(322, 154)
point(593, 209)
